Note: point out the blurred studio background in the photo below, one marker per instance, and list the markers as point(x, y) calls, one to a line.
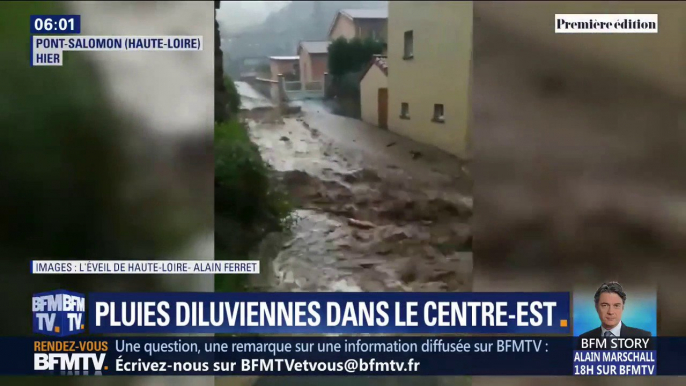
point(108, 157)
point(580, 142)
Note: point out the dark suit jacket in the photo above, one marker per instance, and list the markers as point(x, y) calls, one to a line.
point(624, 332)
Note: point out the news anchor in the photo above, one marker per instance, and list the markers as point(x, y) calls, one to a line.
point(609, 303)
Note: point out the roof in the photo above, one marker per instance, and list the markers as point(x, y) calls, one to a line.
point(352, 14)
point(284, 57)
point(315, 47)
point(380, 13)
point(378, 61)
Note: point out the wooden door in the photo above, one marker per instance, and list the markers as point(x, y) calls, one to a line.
point(383, 108)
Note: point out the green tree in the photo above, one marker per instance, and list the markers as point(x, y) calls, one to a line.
point(339, 60)
point(349, 56)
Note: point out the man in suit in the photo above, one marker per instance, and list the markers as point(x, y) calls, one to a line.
point(609, 303)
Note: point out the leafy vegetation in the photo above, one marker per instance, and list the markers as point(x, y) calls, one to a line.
point(347, 60)
point(242, 180)
point(234, 99)
point(349, 56)
point(247, 206)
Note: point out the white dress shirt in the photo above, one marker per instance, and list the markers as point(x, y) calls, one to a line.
point(615, 331)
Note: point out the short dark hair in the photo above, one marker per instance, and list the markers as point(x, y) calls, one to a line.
point(612, 287)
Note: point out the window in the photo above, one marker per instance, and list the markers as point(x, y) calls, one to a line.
point(409, 45)
point(404, 111)
point(438, 113)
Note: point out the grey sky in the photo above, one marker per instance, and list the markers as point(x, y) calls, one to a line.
point(235, 15)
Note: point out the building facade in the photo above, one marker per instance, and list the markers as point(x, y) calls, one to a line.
point(314, 58)
point(360, 23)
point(430, 56)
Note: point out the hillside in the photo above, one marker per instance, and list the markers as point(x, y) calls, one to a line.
point(235, 16)
point(280, 33)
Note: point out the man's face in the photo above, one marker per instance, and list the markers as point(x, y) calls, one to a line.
point(610, 308)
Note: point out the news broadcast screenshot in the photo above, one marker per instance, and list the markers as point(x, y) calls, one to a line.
point(296, 193)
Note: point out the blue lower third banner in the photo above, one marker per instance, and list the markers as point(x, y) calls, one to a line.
point(325, 313)
point(352, 355)
point(615, 362)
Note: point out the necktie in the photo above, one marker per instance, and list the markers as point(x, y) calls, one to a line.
point(610, 336)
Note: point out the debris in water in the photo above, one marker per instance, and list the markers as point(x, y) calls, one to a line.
point(407, 271)
point(384, 251)
point(360, 224)
point(288, 244)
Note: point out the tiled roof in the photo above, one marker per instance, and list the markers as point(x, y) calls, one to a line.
point(378, 61)
point(366, 13)
point(360, 14)
point(315, 47)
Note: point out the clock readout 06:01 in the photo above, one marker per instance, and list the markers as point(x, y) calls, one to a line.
point(55, 24)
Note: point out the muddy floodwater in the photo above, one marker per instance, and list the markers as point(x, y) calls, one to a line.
point(375, 212)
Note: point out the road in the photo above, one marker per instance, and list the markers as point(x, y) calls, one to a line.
point(376, 212)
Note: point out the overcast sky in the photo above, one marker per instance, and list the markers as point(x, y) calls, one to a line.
point(234, 15)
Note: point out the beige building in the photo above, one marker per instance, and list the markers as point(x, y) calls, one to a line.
point(284, 65)
point(314, 57)
point(429, 52)
point(374, 93)
point(360, 23)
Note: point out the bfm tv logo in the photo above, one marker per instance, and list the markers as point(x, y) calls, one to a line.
point(63, 313)
point(59, 313)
